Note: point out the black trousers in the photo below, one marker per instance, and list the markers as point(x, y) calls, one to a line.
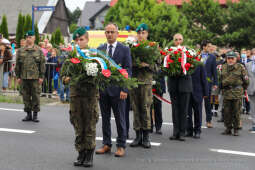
point(127, 114)
point(157, 104)
point(118, 106)
point(180, 104)
point(197, 108)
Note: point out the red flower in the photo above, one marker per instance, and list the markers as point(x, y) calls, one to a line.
point(197, 58)
point(75, 60)
point(170, 61)
point(153, 90)
point(176, 52)
point(137, 45)
point(124, 73)
point(187, 66)
point(187, 53)
point(106, 73)
point(189, 56)
point(179, 59)
point(179, 49)
point(163, 53)
point(170, 49)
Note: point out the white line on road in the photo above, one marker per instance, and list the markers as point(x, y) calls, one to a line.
point(233, 152)
point(129, 141)
point(112, 118)
point(15, 110)
point(16, 130)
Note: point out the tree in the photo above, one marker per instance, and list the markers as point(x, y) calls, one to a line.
point(74, 16)
point(19, 29)
point(28, 23)
point(240, 24)
point(163, 20)
point(4, 27)
point(52, 40)
point(58, 36)
point(206, 20)
point(37, 36)
point(73, 27)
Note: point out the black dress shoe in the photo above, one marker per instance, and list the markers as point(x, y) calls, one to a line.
point(197, 136)
point(158, 131)
point(181, 138)
point(174, 138)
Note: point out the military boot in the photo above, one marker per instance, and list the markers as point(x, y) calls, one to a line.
point(138, 139)
point(88, 160)
point(28, 117)
point(227, 132)
point(80, 158)
point(146, 140)
point(35, 119)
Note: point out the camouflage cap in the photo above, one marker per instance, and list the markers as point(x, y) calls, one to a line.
point(79, 32)
point(142, 27)
point(30, 33)
point(231, 54)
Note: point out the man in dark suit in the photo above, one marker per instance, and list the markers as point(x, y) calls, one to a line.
point(210, 66)
point(200, 91)
point(114, 97)
point(180, 88)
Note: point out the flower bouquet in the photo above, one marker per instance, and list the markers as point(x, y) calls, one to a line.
point(145, 51)
point(94, 67)
point(180, 61)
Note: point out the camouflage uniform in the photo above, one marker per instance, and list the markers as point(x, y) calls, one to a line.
point(30, 66)
point(83, 112)
point(234, 79)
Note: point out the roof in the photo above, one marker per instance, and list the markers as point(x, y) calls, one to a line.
point(177, 2)
point(90, 10)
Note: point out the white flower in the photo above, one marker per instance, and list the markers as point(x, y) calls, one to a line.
point(153, 82)
point(91, 69)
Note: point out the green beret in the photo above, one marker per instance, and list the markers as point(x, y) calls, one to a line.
point(231, 54)
point(79, 32)
point(30, 33)
point(142, 27)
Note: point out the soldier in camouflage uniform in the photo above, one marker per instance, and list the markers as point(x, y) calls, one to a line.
point(83, 109)
point(234, 80)
point(30, 69)
point(141, 97)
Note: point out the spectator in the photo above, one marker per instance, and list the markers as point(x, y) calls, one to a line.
point(12, 76)
point(62, 88)
point(6, 56)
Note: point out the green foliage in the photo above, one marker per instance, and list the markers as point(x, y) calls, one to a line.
point(4, 27)
point(240, 24)
point(77, 71)
point(58, 36)
point(52, 40)
point(19, 29)
point(205, 21)
point(37, 36)
point(28, 23)
point(73, 27)
point(74, 16)
point(163, 20)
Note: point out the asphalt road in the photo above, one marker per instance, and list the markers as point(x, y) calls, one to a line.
point(48, 145)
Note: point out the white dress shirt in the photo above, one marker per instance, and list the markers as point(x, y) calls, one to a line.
point(114, 45)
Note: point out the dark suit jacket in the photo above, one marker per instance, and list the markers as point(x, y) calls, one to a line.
point(200, 85)
point(211, 72)
point(122, 56)
point(180, 84)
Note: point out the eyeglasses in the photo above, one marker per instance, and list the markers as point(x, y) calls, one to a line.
point(177, 39)
point(110, 32)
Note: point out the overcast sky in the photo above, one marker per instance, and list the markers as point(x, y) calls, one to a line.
point(73, 4)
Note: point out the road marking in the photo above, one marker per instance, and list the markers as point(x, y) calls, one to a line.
point(16, 130)
point(112, 118)
point(252, 131)
point(15, 110)
point(171, 124)
point(129, 141)
point(233, 152)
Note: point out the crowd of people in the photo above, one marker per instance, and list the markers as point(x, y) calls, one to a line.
point(224, 82)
